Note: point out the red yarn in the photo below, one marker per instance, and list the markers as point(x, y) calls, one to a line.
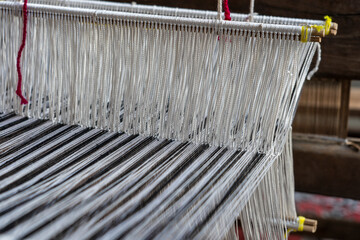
point(22, 46)
point(226, 10)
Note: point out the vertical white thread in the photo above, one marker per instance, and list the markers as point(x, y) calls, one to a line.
point(171, 80)
point(219, 10)
point(251, 13)
point(317, 64)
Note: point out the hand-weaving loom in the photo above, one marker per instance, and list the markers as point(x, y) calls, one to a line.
point(176, 122)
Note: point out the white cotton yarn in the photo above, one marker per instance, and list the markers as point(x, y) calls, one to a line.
point(190, 84)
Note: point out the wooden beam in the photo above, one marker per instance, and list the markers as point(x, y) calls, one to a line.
point(326, 167)
point(340, 54)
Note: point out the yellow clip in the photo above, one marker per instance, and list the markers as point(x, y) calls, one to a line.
point(301, 221)
point(305, 33)
point(318, 27)
point(328, 21)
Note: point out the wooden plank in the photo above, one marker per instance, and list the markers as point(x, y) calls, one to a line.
point(340, 54)
point(319, 108)
point(323, 107)
point(326, 167)
point(344, 108)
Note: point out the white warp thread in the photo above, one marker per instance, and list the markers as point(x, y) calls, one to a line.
point(251, 14)
point(187, 85)
point(317, 64)
point(219, 9)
